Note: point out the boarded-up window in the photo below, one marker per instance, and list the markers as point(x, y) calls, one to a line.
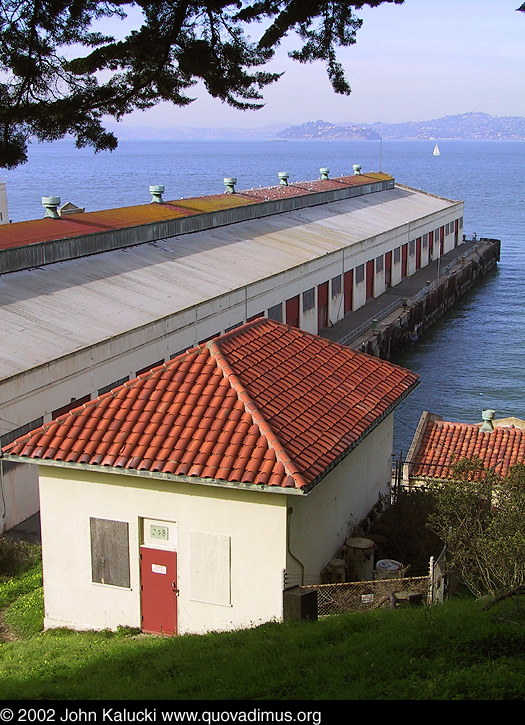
point(276, 313)
point(210, 568)
point(360, 273)
point(336, 285)
point(309, 299)
point(110, 552)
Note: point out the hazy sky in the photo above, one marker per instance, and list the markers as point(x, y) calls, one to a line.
point(412, 62)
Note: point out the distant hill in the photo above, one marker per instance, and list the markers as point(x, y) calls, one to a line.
point(462, 126)
point(179, 133)
point(324, 129)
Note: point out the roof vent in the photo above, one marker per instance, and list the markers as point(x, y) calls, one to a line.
point(324, 172)
point(357, 169)
point(229, 182)
point(488, 416)
point(50, 204)
point(156, 193)
point(283, 178)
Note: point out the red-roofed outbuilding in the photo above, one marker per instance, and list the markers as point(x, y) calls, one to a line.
point(438, 444)
point(189, 498)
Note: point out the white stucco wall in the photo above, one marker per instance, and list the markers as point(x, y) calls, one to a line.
point(18, 494)
point(321, 521)
point(254, 521)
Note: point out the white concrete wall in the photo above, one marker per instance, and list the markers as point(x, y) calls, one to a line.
point(18, 494)
point(255, 521)
point(321, 521)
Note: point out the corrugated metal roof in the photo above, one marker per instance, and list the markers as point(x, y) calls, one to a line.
point(51, 311)
point(265, 404)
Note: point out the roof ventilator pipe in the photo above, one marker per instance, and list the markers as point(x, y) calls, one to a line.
point(156, 192)
point(324, 172)
point(357, 169)
point(229, 182)
point(488, 417)
point(50, 204)
point(283, 178)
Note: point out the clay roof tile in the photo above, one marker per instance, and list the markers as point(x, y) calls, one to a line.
point(264, 404)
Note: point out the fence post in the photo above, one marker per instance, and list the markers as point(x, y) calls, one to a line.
point(431, 580)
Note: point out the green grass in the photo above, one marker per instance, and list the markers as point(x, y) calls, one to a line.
point(453, 651)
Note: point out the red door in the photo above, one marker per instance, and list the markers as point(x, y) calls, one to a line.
point(430, 246)
point(348, 285)
point(292, 311)
point(370, 279)
point(418, 253)
point(158, 572)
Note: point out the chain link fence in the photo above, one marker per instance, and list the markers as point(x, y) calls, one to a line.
point(387, 593)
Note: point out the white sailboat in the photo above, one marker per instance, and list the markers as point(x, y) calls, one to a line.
point(436, 150)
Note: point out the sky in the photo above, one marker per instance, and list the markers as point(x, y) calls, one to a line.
point(413, 62)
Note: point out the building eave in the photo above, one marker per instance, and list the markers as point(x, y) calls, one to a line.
point(155, 476)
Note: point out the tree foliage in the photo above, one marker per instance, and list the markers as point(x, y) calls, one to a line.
point(60, 74)
point(481, 518)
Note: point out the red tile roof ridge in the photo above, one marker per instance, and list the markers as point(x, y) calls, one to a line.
point(266, 430)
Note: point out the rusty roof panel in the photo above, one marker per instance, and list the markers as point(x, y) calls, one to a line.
point(81, 224)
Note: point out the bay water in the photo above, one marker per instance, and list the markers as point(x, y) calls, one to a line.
point(473, 359)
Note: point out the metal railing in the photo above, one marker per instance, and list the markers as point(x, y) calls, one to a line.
point(370, 322)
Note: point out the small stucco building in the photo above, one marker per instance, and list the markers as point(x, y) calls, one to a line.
point(190, 498)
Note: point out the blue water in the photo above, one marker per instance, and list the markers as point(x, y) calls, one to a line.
point(472, 360)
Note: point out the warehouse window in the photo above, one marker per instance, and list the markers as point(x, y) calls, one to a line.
point(110, 552)
point(309, 299)
point(425, 240)
point(360, 273)
point(336, 285)
point(379, 264)
point(7, 438)
point(111, 386)
point(397, 255)
point(412, 248)
point(276, 313)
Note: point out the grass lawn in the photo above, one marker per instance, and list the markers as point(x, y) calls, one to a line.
point(453, 651)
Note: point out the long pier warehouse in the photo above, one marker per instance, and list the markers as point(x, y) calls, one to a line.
point(91, 299)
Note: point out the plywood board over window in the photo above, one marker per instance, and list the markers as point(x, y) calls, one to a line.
point(210, 568)
point(110, 552)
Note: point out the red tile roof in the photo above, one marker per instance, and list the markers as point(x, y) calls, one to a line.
point(76, 225)
point(443, 443)
point(263, 404)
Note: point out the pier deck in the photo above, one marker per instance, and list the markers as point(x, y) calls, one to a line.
point(357, 327)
